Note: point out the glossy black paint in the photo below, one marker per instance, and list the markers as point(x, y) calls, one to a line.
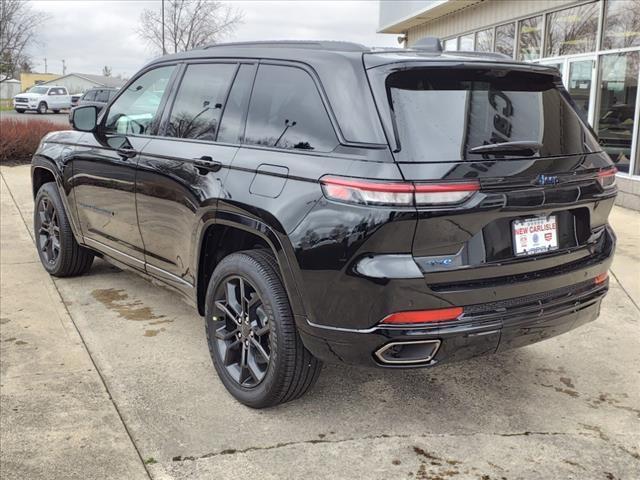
point(149, 202)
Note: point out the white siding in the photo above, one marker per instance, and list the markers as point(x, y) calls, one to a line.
point(74, 84)
point(485, 14)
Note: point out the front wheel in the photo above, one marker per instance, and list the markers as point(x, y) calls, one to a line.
point(42, 108)
point(252, 336)
point(59, 252)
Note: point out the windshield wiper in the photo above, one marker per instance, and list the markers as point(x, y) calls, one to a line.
point(523, 148)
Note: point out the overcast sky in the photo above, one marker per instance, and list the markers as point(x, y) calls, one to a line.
point(91, 34)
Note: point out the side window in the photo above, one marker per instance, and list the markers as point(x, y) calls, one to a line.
point(233, 117)
point(52, 91)
point(136, 109)
point(63, 91)
point(102, 96)
point(199, 101)
point(286, 111)
point(89, 96)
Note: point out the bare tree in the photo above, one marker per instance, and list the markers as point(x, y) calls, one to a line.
point(18, 28)
point(188, 24)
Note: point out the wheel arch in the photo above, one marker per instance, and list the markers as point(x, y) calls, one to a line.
point(231, 232)
point(44, 170)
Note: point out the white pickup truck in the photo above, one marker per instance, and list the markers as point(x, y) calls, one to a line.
point(42, 98)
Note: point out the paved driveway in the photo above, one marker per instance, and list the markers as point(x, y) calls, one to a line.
point(565, 408)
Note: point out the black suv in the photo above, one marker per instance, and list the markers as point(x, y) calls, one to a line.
point(326, 201)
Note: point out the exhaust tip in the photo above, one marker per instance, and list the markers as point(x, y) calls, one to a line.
point(408, 352)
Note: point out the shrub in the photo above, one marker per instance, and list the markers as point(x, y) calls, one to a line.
point(19, 139)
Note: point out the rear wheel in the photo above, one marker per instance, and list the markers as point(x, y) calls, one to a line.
point(56, 111)
point(59, 252)
point(252, 337)
point(42, 108)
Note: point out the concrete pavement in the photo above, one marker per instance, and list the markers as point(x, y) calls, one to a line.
point(565, 408)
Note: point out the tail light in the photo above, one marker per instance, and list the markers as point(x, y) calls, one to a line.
point(365, 192)
point(423, 316)
point(607, 177)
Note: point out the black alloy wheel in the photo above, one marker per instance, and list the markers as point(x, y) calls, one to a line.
point(48, 230)
point(242, 330)
point(251, 332)
point(58, 250)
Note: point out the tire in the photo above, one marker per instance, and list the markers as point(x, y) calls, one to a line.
point(20, 110)
point(42, 108)
point(290, 370)
point(56, 111)
point(61, 256)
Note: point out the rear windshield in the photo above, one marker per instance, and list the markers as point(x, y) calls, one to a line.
point(440, 114)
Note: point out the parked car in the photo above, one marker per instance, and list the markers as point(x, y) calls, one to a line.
point(322, 201)
point(75, 98)
point(42, 98)
point(98, 97)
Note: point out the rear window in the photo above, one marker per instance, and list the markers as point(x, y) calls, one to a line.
point(440, 114)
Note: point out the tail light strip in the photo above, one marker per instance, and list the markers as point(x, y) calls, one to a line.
point(365, 192)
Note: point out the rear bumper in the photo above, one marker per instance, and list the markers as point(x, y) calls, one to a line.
point(496, 317)
point(496, 328)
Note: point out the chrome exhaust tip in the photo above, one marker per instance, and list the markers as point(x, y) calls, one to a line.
point(410, 352)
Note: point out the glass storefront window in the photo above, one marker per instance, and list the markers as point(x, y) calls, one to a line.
point(505, 38)
point(484, 40)
point(618, 91)
point(466, 43)
point(621, 24)
point(451, 44)
point(580, 73)
point(572, 30)
point(529, 39)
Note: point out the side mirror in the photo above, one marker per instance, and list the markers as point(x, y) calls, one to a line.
point(85, 118)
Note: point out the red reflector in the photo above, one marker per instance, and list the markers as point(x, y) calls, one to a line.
point(601, 278)
point(424, 316)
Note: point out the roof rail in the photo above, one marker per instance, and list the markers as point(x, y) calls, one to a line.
point(310, 44)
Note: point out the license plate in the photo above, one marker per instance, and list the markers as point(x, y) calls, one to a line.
point(535, 235)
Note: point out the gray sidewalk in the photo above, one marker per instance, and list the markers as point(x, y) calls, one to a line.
point(565, 408)
point(57, 419)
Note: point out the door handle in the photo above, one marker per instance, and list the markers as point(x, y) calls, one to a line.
point(126, 153)
point(206, 164)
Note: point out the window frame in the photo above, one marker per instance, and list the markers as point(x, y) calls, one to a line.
point(175, 89)
point(167, 94)
point(323, 99)
point(179, 73)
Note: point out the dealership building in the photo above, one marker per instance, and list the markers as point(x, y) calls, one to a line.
point(594, 44)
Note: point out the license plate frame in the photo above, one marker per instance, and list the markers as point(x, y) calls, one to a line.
point(534, 235)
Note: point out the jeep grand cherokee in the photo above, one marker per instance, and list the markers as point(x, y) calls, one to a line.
point(323, 201)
